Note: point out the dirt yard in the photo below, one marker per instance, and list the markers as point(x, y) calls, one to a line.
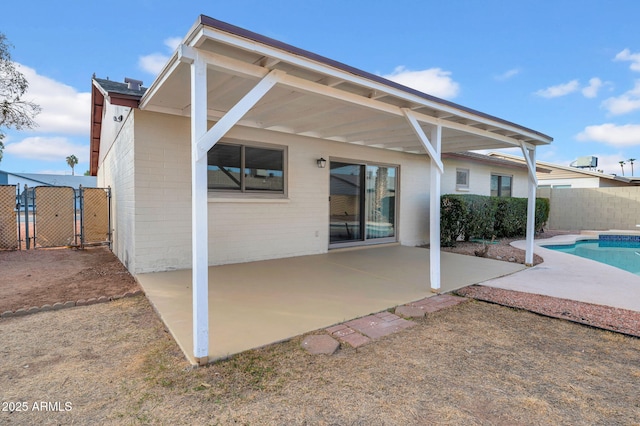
point(501, 248)
point(477, 363)
point(47, 276)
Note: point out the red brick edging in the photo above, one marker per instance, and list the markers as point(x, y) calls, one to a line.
point(69, 304)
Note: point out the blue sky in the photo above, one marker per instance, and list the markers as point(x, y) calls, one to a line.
point(569, 69)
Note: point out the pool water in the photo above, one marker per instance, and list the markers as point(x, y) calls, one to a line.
point(623, 254)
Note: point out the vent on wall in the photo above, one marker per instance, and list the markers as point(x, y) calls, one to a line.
point(133, 84)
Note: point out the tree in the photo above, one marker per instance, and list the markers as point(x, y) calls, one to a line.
point(72, 160)
point(622, 166)
point(15, 112)
point(631, 160)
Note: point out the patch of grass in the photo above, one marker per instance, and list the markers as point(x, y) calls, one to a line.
point(254, 370)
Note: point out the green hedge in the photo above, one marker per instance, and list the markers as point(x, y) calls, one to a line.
point(479, 216)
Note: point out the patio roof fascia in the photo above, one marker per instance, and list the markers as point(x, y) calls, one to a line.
point(220, 62)
point(250, 41)
point(514, 134)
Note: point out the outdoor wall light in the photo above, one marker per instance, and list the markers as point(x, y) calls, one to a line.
point(322, 163)
point(117, 118)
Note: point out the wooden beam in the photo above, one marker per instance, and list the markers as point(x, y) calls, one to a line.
point(208, 140)
point(434, 152)
point(327, 70)
point(526, 149)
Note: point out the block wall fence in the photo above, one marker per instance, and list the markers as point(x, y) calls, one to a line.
point(593, 208)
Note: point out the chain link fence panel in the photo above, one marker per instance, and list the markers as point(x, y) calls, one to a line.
point(8, 224)
point(95, 215)
point(55, 216)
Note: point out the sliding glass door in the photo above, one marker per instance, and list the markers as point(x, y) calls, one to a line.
point(346, 202)
point(380, 202)
point(362, 203)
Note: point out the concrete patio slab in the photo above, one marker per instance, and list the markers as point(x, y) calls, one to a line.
point(258, 303)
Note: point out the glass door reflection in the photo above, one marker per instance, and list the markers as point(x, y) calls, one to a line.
point(346, 202)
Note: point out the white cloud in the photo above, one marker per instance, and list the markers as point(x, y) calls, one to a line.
point(508, 74)
point(626, 55)
point(172, 42)
point(591, 91)
point(433, 81)
point(625, 103)
point(559, 90)
point(154, 62)
point(612, 134)
point(47, 149)
point(64, 109)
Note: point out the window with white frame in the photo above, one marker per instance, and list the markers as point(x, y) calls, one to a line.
point(243, 168)
point(462, 179)
point(501, 185)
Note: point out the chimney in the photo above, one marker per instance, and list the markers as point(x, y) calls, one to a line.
point(133, 84)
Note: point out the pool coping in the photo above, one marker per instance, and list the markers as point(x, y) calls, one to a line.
point(570, 239)
point(571, 277)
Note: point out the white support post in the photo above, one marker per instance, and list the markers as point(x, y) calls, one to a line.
point(434, 209)
point(202, 140)
point(530, 158)
point(434, 149)
point(199, 216)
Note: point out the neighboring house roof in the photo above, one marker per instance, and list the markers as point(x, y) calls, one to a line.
point(56, 180)
point(557, 171)
point(312, 96)
point(490, 160)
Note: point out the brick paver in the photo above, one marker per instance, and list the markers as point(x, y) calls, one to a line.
point(435, 303)
point(361, 331)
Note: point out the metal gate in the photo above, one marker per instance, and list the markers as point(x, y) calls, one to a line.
point(54, 216)
point(8, 225)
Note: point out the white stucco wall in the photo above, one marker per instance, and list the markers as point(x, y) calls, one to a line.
point(242, 230)
point(117, 171)
point(586, 182)
point(480, 178)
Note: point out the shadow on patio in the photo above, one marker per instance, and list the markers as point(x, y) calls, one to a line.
point(254, 304)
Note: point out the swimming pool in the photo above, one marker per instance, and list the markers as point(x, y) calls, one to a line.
point(621, 251)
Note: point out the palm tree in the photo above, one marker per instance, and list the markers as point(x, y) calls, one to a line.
point(631, 160)
point(72, 160)
point(622, 166)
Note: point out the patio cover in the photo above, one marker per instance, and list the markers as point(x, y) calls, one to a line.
point(233, 77)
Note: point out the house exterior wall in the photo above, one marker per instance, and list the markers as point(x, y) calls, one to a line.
point(111, 127)
point(579, 182)
point(163, 192)
point(577, 209)
point(480, 178)
point(584, 182)
point(116, 169)
point(249, 229)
